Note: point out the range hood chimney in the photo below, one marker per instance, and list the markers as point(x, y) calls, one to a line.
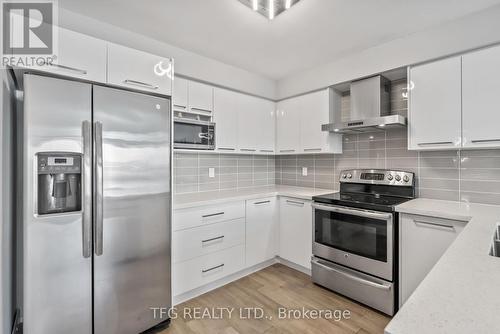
point(370, 108)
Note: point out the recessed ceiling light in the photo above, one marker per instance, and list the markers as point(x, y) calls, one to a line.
point(269, 8)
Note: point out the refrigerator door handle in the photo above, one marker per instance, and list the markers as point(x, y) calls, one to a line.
point(98, 189)
point(87, 189)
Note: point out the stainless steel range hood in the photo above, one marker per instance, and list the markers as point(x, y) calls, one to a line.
point(370, 108)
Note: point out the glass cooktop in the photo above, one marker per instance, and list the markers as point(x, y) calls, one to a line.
point(365, 201)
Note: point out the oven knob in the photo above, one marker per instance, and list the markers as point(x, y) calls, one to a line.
point(344, 176)
point(349, 176)
point(346, 255)
point(398, 178)
point(390, 177)
point(406, 178)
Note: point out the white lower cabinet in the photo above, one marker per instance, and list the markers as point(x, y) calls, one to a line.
point(202, 270)
point(261, 231)
point(295, 231)
point(422, 242)
point(191, 243)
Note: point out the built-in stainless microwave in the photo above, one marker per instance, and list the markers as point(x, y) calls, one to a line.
point(194, 134)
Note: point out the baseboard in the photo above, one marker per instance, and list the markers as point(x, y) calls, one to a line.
point(179, 299)
point(221, 282)
point(295, 266)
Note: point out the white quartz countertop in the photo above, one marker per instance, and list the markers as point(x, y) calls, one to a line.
point(461, 294)
point(184, 201)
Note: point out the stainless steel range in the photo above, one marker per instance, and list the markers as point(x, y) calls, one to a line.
point(355, 236)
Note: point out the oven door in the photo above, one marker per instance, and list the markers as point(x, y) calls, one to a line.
point(194, 134)
point(355, 238)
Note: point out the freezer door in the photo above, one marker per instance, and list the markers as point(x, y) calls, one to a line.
point(57, 275)
point(132, 255)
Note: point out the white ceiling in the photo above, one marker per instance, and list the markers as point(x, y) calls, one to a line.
point(311, 33)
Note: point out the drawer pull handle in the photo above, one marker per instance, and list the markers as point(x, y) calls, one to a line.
point(227, 149)
point(295, 203)
point(247, 149)
point(213, 268)
point(312, 149)
point(267, 151)
point(287, 151)
point(68, 68)
point(213, 239)
point(139, 83)
point(443, 226)
point(179, 106)
point(213, 215)
point(485, 140)
point(201, 110)
point(437, 143)
point(263, 202)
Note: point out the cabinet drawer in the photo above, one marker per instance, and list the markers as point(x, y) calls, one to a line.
point(139, 70)
point(192, 217)
point(202, 270)
point(198, 241)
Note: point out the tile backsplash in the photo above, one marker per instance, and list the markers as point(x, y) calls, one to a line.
point(232, 171)
point(468, 176)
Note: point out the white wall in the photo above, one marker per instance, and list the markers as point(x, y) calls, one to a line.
point(469, 32)
point(186, 63)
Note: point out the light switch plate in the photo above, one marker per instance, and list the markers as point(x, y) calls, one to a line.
point(211, 172)
point(304, 171)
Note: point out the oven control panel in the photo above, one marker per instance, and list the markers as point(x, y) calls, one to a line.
point(378, 176)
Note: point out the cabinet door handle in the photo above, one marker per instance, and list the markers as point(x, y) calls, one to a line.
point(295, 203)
point(179, 106)
point(201, 109)
point(140, 84)
point(67, 68)
point(435, 225)
point(436, 143)
point(262, 202)
point(213, 215)
point(485, 140)
point(213, 239)
point(312, 149)
point(213, 268)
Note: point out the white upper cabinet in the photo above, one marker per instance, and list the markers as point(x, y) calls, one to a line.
point(180, 94)
point(480, 89)
point(435, 105)
point(201, 97)
point(79, 56)
point(288, 126)
point(139, 70)
point(247, 123)
point(226, 120)
point(316, 109)
point(299, 123)
point(266, 126)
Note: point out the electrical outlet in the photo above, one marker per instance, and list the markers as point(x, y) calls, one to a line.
point(304, 171)
point(211, 172)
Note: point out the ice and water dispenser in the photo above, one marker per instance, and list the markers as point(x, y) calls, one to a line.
point(59, 182)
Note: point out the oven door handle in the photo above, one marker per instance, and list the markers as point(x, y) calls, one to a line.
point(354, 212)
point(352, 277)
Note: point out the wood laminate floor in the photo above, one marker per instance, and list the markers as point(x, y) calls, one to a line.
point(269, 290)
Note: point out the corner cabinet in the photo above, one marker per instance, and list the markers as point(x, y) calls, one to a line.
point(453, 102)
point(435, 105)
point(299, 123)
point(295, 231)
point(423, 240)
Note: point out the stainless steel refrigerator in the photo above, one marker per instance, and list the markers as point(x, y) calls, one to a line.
point(96, 208)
